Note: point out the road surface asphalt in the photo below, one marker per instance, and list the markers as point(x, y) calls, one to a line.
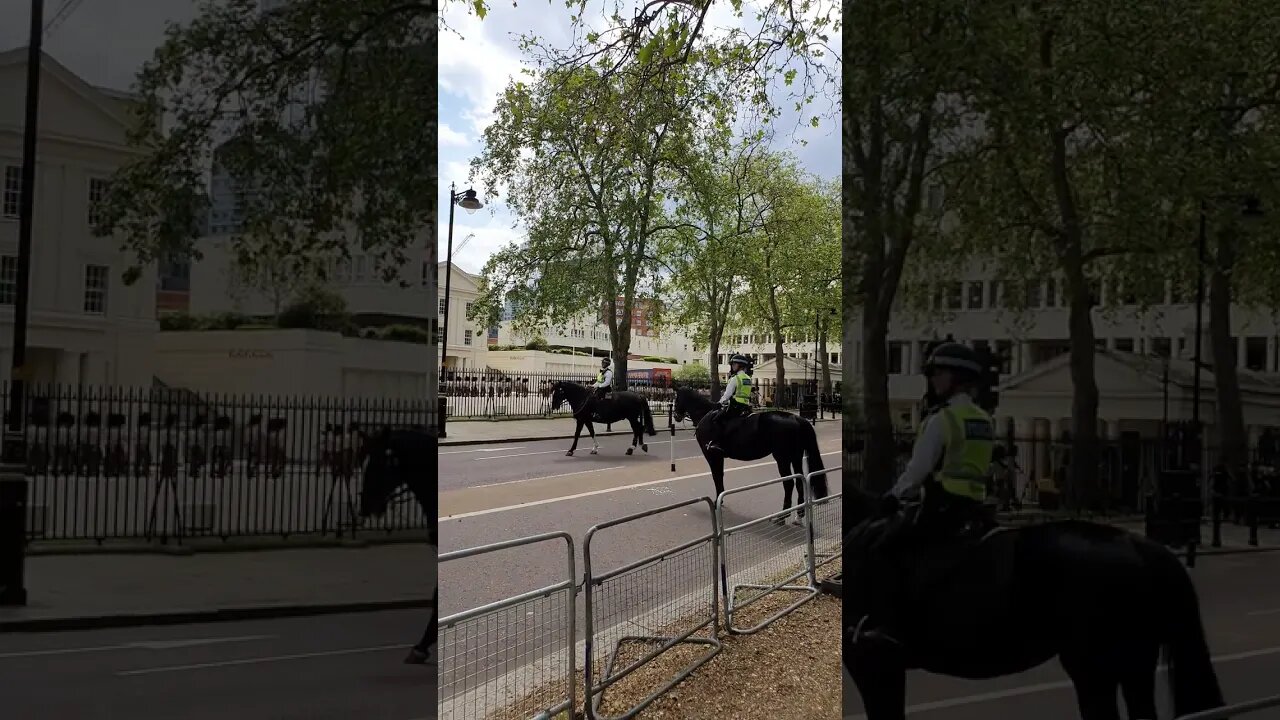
point(1240, 604)
point(333, 667)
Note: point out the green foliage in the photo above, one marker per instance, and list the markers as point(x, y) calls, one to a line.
point(407, 333)
point(692, 372)
point(355, 164)
point(538, 343)
point(316, 308)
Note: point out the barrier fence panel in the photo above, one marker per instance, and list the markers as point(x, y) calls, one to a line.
point(763, 555)
point(1230, 711)
point(826, 534)
point(672, 594)
point(519, 650)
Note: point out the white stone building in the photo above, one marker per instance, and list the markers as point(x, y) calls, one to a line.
point(467, 340)
point(85, 325)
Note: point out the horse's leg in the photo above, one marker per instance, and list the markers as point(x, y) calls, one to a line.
point(419, 653)
point(595, 446)
point(784, 469)
point(638, 424)
point(635, 436)
point(881, 681)
point(1138, 684)
point(715, 461)
point(576, 434)
point(1095, 690)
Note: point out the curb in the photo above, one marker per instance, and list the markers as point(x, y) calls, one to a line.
point(185, 617)
point(495, 441)
point(197, 548)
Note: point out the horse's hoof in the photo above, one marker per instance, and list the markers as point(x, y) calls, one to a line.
point(569, 454)
point(595, 452)
point(644, 447)
point(630, 450)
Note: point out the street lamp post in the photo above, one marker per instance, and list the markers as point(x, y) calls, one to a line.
point(13, 461)
point(468, 201)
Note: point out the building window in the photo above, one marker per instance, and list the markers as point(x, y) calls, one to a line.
point(12, 191)
point(1124, 344)
point(954, 296)
point(466, 337)
point(993, 294)
point(468, 309)
point(441, 309)
point(1033, 295)
point(95, 289)
point(975, 296)
point(1255, 353)
point(835, 358)
point(895, 357)
point(1051, 293)
point(8, 280)
point(1161, 346)
point(1004, 351)
point(97, 195)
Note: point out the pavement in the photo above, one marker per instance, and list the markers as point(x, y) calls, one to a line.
point(90, 591)
point(1240, 605)
point(334, 667)
point(520, 488)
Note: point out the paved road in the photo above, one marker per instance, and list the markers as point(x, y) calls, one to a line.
point(1240, 598)
point(508, 491)
point(324, 668)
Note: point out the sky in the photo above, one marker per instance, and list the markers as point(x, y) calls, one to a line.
point(476, 64)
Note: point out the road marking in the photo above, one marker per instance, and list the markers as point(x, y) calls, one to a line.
point(481, 450)
point(547, 477)
point(548, 452)
point(145, 645)
point(261, 660)
point(1046, 687)
point(1271, 611)
point(546, 501)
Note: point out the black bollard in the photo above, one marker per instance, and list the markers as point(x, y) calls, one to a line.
point(1252, 512)
point(1217, 521)
point(441, 405)
point(13, 521)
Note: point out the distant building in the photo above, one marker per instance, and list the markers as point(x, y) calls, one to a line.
point(86, 325)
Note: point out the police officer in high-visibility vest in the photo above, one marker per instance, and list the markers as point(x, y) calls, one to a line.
point(602, 386)
point(736, 399)
point(954, 449)
point(957, 439)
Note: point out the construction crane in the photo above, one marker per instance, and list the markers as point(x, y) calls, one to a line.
point(64, 11)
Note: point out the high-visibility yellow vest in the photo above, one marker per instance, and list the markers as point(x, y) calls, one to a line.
point(743, 393)
point(966, 460)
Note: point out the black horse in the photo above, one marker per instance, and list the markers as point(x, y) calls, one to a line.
point(615, 407)
point(396, 458)
point(789, 438)
point(1103, 600)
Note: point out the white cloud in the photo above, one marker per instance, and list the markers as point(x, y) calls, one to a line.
point(452, 138)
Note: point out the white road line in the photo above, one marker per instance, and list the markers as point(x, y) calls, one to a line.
point(481, 450)
point(534, 503)
point(547, 477)
point(1271, 611)
point(145, 645)
point(548, 452)
point(1046, 687)
point(261, 660)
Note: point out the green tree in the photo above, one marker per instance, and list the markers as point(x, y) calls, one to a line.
point(1066, 178)
point(793, 261)
point(717, 214)
point(588, 162)
point(322, 108)
point(900, 61)
point(695, 372)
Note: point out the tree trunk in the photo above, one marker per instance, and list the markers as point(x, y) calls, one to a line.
point(714, 363)
point(1084, 402)
point(779, 361)
point(1233, 443)
point(880, 454)
point(825, 386)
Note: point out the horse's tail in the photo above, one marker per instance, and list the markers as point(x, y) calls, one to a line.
point(648, 419)
point(814, 455)
point(1192, 679)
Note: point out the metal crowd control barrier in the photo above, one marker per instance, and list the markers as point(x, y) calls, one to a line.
point(618, 590)
point(1224, 713)
point(825, 523)
point(517, 637)
point(772, 573)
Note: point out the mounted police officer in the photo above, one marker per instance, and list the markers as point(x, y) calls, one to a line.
point(958, 436)
point(603, 386)
point(736, 399)
point(951, 460)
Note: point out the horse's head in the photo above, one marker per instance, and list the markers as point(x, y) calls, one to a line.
point(680, 408)
point(558, 396)
point(383, 473)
